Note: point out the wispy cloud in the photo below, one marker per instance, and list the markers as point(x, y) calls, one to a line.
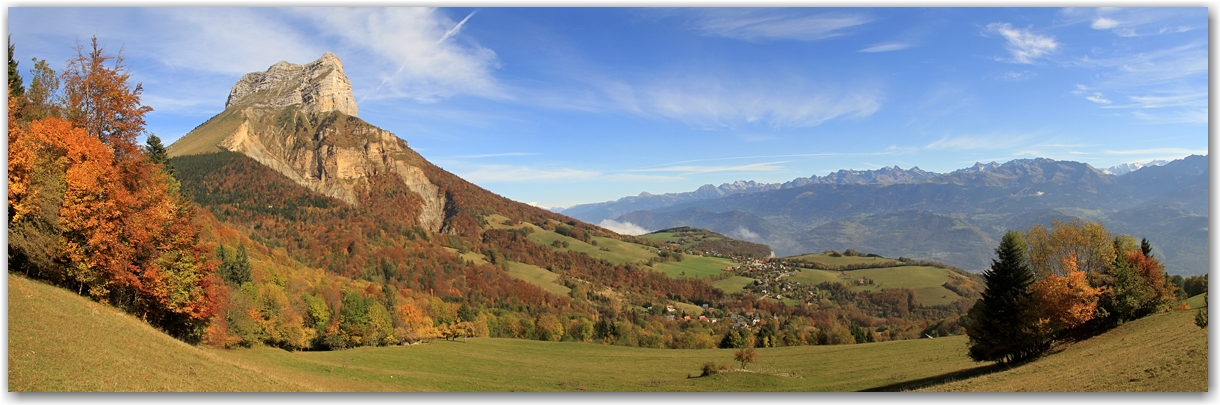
point(692, 169)
point(991, 141)
point(487, 155)
point(521, 174)
point(411, 48)
point(887, 47)
point(1139, 21)
point(496, 173)
point(1162, 86)
point(773, 24)
point(1157, 151)
point(1088, 94)
point(714, 102)
point(1024, 45)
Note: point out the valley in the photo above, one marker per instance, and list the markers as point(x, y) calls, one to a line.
point(955, 217)
point(136, 356)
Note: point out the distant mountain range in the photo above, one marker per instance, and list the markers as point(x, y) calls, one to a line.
point(955, 217)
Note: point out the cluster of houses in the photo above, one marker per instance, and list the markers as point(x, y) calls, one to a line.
point(743, 320)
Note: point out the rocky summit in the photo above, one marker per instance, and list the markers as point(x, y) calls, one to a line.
point(301, 121)
point(318, 86)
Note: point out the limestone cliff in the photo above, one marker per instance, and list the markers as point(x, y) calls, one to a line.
point(300, 120)
point(318, 86)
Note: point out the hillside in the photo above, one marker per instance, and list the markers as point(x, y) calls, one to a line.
point(99, 349)
point(60, 341)
point(1163, 352)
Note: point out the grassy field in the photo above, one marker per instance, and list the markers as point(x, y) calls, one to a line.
point(538, 276)
point(733, 284)
point(59, 341)
point(1163, 352)
point(925, 281)
point(671, 237)
point(694, 266)
point(62, 342)
point(839, 261)
point(1196, 301)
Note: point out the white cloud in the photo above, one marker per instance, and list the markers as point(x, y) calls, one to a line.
point(1024, 45)
point(1098, 98)
point(892, 46)
point(413, 51)
point(624, 228)
point(745, 234)
point(1102, 23)
point(1017, 76)
point(766, 24)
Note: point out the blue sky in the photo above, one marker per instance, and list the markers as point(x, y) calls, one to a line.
point(568, 106)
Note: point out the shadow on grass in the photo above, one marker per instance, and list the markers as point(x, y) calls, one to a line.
point(940, 379)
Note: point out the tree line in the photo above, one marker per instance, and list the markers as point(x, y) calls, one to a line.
point(1071, 278)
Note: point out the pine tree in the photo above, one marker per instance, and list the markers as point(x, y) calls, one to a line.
point(155, 151)
point(1146, 248)
point(998, 327)
point(15, 86)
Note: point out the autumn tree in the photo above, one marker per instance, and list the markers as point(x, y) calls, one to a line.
point(1088, 242)
point(1062, 303)
point(997, 328)
point(99, 99)
point(88, 212)
point(745, 355)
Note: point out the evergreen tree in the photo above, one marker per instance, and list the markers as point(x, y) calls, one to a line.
point(156, 152)
point(15, 86)
point(998, 327)
point(1146, 247)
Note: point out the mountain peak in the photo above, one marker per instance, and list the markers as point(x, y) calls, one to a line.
point(318, 86)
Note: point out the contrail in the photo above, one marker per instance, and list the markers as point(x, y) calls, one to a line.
point(452, 31)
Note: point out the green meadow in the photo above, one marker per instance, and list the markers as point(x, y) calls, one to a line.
point(59, 341)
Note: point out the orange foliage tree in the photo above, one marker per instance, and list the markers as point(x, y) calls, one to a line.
point(90, 212)
point(1063, 302)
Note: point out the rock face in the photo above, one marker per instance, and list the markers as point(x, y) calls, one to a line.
point(301, 121)
point(318, 86)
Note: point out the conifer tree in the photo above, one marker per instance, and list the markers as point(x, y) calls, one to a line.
point(15, 86)
point(998, 328)
point(155, 151)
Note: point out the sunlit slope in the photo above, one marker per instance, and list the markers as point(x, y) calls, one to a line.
point(1163, 352)
point(59, 341)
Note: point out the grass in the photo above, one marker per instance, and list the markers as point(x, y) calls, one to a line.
point(62, 342)
point(924, 280)
point(1197, 301)
point(538, 276)
point(59, 341)
point(694, 266)
point(842, 260)
point(205, 138)
point(1162, 352)
point(617, 252)
point(519, 365)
